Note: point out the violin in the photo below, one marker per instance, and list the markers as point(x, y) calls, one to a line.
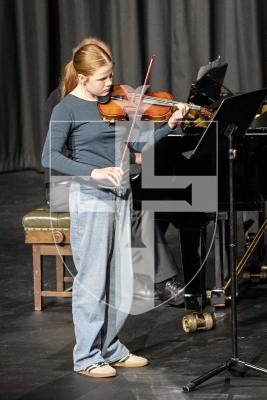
point(155, 106)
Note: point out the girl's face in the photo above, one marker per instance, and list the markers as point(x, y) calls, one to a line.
point(100, 82)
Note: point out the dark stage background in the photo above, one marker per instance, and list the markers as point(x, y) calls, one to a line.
point(37, 37)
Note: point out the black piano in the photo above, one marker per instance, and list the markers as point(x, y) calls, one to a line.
point(250, 184)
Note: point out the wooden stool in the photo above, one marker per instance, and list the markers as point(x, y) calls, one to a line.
point(49, 234)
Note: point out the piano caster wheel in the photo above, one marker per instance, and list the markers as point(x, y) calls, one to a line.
point(198, 321)
point(262, 276)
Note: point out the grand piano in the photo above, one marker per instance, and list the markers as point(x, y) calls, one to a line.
point(250, 183)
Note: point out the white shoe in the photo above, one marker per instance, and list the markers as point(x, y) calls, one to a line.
point(99, 370)
point(131, 361)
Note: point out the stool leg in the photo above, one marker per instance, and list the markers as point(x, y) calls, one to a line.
point(37, 277)
point(60, 274)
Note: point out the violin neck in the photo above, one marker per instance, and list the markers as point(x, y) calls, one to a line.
point(157, 101)
point(190, 105)
point(167, 103)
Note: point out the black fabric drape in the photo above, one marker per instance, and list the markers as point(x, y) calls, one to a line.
point(37, 37)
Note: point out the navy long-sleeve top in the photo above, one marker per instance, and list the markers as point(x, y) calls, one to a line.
point(93, 143)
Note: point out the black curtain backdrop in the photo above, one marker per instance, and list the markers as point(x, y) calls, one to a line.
point(37, 37)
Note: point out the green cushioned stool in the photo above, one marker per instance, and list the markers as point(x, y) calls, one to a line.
point(49, 234)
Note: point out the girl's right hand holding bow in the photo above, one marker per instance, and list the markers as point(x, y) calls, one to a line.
point(113, 174)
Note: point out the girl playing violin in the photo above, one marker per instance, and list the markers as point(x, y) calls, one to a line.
point(100, 218)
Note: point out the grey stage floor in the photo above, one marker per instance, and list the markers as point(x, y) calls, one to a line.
point(36, 347)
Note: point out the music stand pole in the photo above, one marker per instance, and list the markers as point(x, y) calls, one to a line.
point(234, 361)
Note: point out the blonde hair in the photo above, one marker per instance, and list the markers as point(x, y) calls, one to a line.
point(88, 56)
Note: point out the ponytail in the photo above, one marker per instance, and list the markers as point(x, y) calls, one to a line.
point(69, 80)
point(88, 56)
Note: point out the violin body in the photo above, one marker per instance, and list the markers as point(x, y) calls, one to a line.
point(110, 110)
point(122, 103)
point(158, 112)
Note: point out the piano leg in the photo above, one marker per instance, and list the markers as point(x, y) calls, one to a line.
point(193, 244)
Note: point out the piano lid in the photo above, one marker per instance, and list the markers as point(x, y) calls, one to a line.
point(207, 88)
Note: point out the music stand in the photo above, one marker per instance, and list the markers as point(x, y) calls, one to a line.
point(233, 118)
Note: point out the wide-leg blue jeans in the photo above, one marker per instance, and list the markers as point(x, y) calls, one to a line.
point(102, 290)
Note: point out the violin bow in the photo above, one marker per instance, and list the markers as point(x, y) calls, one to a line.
point(137, 109)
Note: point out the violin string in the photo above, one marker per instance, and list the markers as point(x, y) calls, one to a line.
point(152, 99)
point(136, 111)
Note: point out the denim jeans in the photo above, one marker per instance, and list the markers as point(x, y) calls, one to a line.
point(102, 290)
